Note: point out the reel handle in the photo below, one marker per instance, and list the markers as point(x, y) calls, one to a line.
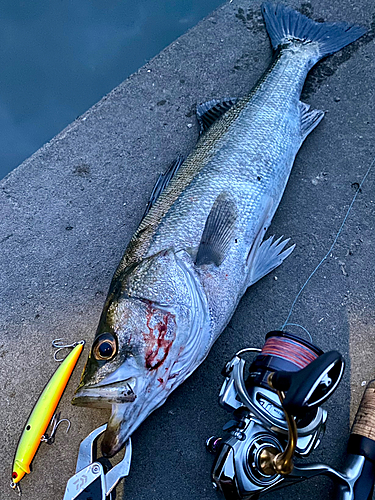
point(311, 386)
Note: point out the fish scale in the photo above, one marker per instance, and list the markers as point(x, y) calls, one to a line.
point(257, 125)
point(201, 242)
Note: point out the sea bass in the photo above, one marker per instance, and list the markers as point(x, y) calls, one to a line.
point(200, 244)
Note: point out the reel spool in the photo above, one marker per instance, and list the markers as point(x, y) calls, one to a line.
point(282, 351)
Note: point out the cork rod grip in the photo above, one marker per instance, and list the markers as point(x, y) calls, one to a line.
point(364, 422)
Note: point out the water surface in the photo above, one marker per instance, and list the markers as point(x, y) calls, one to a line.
point(59, 57)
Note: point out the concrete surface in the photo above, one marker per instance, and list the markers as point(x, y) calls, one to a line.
point(68, 212)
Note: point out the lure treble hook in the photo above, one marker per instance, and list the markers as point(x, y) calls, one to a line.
point(55, 422)
point(59, 345)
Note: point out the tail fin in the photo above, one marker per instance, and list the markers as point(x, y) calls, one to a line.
point(285, 25)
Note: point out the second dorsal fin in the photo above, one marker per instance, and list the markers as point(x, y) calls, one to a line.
point(210, 111)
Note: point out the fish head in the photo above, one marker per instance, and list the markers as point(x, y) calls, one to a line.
point(129, 365)
point(150, 338)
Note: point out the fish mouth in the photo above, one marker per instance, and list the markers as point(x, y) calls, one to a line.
point(105, 395)
point(121, 397)
point(130, 400)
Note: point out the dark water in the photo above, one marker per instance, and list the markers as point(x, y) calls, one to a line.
point(59, 57)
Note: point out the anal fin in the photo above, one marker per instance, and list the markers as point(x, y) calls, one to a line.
point(309, 119)
point(269, 255)
point(218, 232)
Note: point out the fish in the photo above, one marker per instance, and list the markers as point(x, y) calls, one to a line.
point(201, 242)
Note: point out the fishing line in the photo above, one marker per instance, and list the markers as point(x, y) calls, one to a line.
point(299, 326)
point(330, 249)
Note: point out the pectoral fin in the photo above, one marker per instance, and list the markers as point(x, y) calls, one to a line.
point(267, 257)
point(218, 232)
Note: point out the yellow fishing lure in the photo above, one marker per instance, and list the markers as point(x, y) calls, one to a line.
point(41, 415)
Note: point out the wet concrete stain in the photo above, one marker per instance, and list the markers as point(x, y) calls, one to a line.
point(245, 62)
point(354, 247)
point(252, 19)
point(355, 186)
point(307, 10)
point(82, 170)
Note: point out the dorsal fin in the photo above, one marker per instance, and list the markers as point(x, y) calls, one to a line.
point(210, 111)
point(218, 232)
point(162, 183)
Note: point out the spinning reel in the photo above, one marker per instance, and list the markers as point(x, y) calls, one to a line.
point(277, 415)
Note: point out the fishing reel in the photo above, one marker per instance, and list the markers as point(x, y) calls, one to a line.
point(276, 415)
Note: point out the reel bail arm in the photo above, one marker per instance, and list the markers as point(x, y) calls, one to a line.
point(271, 461)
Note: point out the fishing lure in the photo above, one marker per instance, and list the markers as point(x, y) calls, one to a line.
point(37, 423)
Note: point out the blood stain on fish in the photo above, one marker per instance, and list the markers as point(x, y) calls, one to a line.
point(158, 339)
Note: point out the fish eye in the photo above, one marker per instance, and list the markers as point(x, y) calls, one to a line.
point(104, 347)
